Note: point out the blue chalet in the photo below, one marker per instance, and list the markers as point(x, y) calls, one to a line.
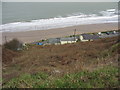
point(39, 43)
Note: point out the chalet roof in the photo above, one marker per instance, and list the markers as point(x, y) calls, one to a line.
point(68, 39)
point(88, 36)
point(77, 37)
point(53, 40)
point(110, 35)
point(44, 42)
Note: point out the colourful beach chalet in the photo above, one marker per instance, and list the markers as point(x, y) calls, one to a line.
point(88, 37)
point(68, 40)
point(39, 43)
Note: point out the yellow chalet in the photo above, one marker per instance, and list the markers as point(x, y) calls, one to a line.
point(88, 37)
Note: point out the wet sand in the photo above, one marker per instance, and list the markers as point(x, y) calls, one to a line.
point(31, 36)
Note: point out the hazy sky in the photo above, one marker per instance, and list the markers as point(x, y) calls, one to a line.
point(60, 0)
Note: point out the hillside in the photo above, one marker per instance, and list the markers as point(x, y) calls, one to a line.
point(57, 61)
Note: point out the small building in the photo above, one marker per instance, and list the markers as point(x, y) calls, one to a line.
point(45, 42)
point(88, 37)
point(102, 33)
point(114, 32)
point(99, 33)
point(109, 34)
point(39, 43)
point(68, 40)
point(54, 41)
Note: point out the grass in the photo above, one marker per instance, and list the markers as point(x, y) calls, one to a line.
point(70, 65)
point(102, 78)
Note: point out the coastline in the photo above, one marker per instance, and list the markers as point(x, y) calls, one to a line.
point(36, 35)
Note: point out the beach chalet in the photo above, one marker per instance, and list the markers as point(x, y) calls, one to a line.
point(44, 42)
point(39, 43)
point(54, 41)
point(68, 40)
point(109, 34)
point(88, 37)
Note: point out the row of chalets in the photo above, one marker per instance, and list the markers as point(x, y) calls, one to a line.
point(76, 38)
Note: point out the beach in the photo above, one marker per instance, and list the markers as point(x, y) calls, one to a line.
point(37, 35)
point(31, 22)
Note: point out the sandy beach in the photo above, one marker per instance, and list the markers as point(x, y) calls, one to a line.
point(31, 36)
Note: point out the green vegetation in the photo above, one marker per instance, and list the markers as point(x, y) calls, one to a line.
point(115, 47)
point(41, 40)
point(103, 77)
point(113, 50)
point(80, 65)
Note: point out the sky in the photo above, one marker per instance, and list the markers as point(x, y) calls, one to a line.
point(60, 0)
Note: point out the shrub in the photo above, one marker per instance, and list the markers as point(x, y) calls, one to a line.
point(13, 45)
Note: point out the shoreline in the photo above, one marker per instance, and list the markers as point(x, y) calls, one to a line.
point(36, 35)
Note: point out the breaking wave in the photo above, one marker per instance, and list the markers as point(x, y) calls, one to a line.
point(107, 16)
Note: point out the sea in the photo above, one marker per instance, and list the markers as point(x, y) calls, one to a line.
point(29, 16)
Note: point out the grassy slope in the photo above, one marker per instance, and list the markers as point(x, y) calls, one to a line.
point(101, 78)
point(72, 65)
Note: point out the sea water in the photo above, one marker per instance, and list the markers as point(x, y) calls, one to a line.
point(27, 16)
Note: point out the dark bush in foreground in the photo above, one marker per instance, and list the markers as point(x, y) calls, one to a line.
point(13, 45)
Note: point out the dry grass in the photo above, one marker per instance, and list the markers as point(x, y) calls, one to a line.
point(61, 59)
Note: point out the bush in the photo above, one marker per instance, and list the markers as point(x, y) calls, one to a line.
point(13, 45)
